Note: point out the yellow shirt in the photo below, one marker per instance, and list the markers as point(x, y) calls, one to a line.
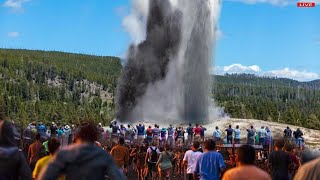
point(41, 163)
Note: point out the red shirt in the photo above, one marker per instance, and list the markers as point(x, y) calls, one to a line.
point(197, 130)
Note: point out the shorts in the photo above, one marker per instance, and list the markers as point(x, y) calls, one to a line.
point(152, 167)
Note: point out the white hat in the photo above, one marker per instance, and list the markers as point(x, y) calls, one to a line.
point(67, 127)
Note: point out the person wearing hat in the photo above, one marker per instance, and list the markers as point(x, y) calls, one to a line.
point(67, 132)
point(163, 133)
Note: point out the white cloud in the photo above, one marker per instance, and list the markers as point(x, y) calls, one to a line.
point(272, 2)
point(15, 5)
point(134, 23)
point(255, 69)
point(293, 74)
point(238, 68)
point(13, 34)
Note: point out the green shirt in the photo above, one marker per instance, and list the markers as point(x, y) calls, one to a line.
point(165, 160)
point(45, 144)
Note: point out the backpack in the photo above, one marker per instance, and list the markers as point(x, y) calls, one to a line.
point(154, 155)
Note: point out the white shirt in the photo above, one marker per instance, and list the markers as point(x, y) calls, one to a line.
point(153, 147)
point(191, 157)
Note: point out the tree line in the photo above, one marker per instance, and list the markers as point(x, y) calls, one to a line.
point(66, 88)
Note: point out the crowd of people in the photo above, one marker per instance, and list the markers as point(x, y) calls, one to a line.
point(89, 151)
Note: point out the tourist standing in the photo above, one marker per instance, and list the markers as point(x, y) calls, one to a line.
point(123, 131)
point(279, 161)
point(163, 133)
point(83, 159)
point(53, 146)
point(262, 136)
point(67, 132)
point(140, 136)
point(251, 134)
point(203, 129)
point(190, 159)
point(53, 129)
point(229, 135)
point(149, 135)
point(210, 164)
point(152, 158)
point(35, 152)
point(298, 137)
point(287, 133)
point(120, 154)
point(13, 164)
point(115, 131)
point(295, 163)
point(190, 134)
point(170, 138)
point(268, 137)
point(246, 168)
point(156, 134)
point(237, 136)
point(180, 137)
point(130, 133)
point(139, 157)
point(165, 163)
point(197, 133)
point(217, 134)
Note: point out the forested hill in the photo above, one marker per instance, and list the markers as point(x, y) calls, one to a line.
point(66, 88)
point(272, 99)
point(56, 86)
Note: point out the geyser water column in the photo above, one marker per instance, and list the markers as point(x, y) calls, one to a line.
point(196, 48)
point(166, 77)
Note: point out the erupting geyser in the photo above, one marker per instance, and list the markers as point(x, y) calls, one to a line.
point(166, 76)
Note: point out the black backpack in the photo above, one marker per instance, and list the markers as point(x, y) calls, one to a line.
point(154, 155)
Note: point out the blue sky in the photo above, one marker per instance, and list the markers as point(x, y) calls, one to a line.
point(266, 37)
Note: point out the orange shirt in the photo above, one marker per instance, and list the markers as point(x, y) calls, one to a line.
point(35, 151)
point(120, 155)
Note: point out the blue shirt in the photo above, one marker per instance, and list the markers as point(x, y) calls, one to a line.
point(202, 131)
point(217, 133)
point(209, 165)
point(190, 130)
point(170, 131)
point(237, 133)
point(140, 130)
